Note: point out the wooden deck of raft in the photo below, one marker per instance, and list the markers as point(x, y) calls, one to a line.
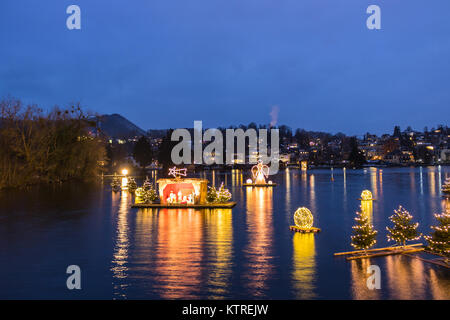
point(381, 252)
point(310, 230)
point(267, 185)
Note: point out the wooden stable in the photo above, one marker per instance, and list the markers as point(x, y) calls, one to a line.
point(381, 252)
point(303, 230)
point(226, 205)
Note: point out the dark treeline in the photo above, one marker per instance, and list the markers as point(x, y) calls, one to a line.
point(46, 147)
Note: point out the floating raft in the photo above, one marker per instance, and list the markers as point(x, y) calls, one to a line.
point(381, 252)
point(259, 184)
point(180, 205)
point(302, 230)
point(439, 262)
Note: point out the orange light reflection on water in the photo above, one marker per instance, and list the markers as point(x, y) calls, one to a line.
point(259, 251)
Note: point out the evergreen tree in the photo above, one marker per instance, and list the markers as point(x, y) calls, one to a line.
point(165, 151)
point(211, 195)
point(223, 194)
point(149, 195)
point(356, 157)
point(131, 185)
point(363, 233)
point(115, 184)
point(142, 152)
point(147, 184)
point(439, 240)
point(404, 229)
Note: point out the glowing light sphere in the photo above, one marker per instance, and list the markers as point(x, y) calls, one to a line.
point(249, 181)
point(124, 172)
point(303, 218)
point(366, 195)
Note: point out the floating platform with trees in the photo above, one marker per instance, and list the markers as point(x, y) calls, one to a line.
point(182, 193)
point(381, 252)
point(181, 205)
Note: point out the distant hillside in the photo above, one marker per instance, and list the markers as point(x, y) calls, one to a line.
point(116, 126)
point(157, 133)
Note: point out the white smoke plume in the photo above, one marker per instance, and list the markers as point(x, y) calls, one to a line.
point(274, 115)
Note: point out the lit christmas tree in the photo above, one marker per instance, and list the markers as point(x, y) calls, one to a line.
point(147, 184)
point(439, 240)
point(132, 185)
point(149, 195)
point(363, 233)
point(115, 184)
point(223, 194)
point(404, 229)
point(211, 195)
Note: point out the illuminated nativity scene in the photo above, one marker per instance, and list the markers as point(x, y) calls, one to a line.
point(182, 192)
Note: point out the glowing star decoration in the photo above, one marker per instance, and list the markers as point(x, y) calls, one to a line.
point(176, 173)
point(303, 218)
point(260, 172)
point(124, 172)
point(366, 195)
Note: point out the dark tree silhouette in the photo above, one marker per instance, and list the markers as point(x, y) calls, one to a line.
point(142, 152)
point(356, 157)
point(164, 152)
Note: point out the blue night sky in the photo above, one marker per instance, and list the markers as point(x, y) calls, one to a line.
point(166, 63)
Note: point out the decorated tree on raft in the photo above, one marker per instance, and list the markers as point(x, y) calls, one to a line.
point(211, 195)
point(147, 184)
point(363, 235)
point(223, 194)
point(132, 185)
point(115, 184)
point(439, 239)
point(148, 196)
point(404, 228)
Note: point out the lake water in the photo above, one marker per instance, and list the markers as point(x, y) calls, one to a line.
point(244, 252)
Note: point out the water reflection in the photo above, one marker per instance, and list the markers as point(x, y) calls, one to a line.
point(440, 286)
point(312, 193)
point(219, 237)
point(259, 251)
point(236, 177)
point(359, 275)
point(432, 182)
point(178, 253)
point(121, 248)
point(304, 265)
point(374, 182)
point(405, 277)
point(367, 209)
